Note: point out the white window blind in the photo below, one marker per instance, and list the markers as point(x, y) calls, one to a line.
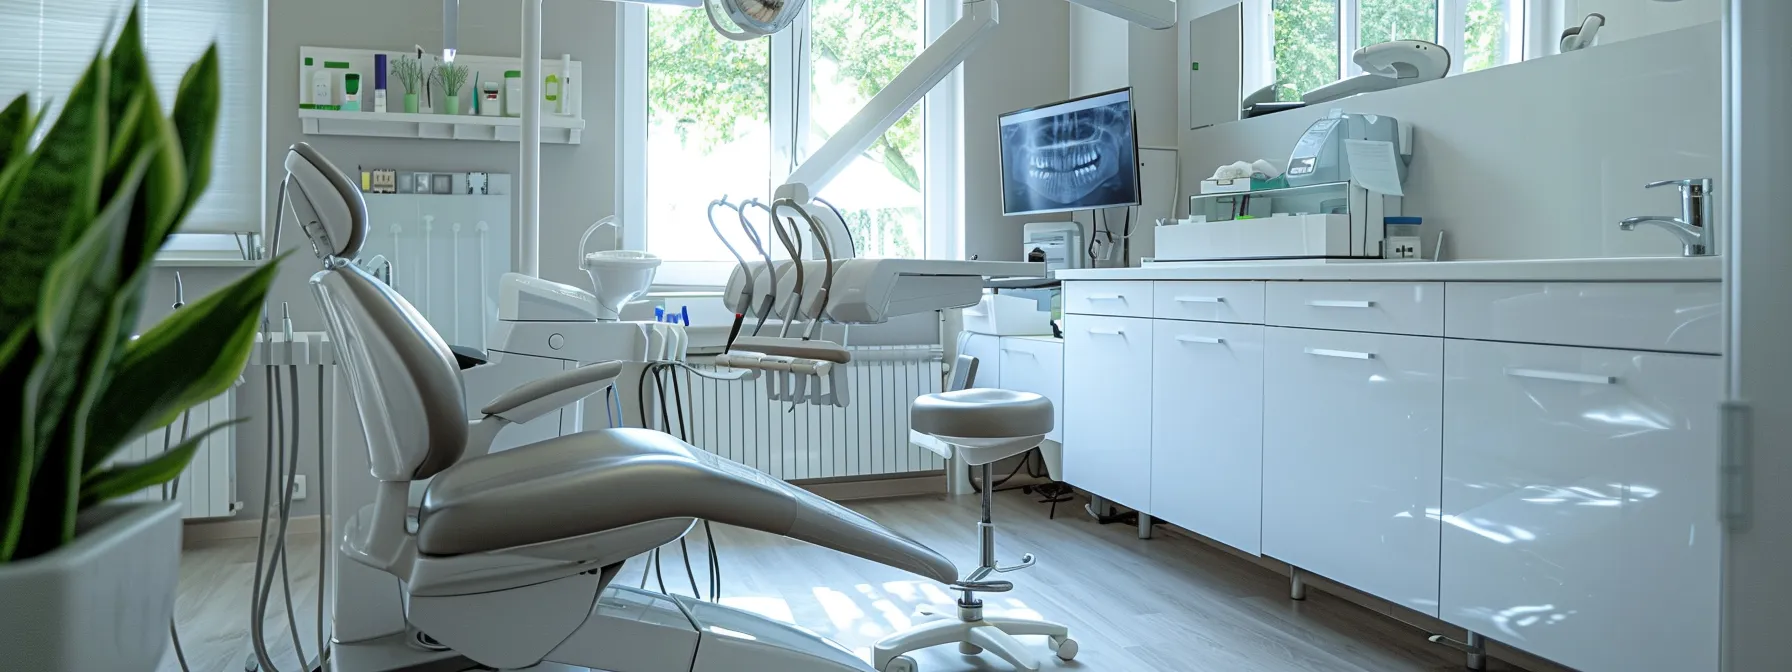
point(48, 43)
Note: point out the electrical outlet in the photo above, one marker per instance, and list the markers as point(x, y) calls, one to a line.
point(298, 487)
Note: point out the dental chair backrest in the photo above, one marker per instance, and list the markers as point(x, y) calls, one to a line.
point(404, 379)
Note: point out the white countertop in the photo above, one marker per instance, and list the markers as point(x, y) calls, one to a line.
point(1618, 269)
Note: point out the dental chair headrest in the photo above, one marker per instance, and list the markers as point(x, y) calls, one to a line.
point(328, 205)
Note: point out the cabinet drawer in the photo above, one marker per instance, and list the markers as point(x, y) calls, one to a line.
point(1207, 430)
point(1108, 297)
point(1580, 489)
point(1037, 365)
point(1351, 458)
point(1383, 307)
point(1208, 301)
point(1107, 404)
point(1672, 316)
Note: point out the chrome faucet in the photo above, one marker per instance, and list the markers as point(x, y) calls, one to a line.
point(1693, 226)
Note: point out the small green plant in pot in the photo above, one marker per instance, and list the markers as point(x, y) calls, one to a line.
point(82, 214)
point(452, 77)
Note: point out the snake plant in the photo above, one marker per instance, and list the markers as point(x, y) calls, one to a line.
point(83, 211)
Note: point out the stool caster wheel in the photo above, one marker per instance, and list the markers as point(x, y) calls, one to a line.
point(901, 664)
point(1065, 647)
point(969, 649)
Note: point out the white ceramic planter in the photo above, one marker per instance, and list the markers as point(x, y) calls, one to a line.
point(99, 604)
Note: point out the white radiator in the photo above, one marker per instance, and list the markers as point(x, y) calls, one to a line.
point(208, 486)
point(805, 441)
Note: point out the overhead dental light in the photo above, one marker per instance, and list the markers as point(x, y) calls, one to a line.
point(742, 20)
point(1386, 66)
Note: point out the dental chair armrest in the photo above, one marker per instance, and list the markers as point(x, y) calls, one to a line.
point(536, 398)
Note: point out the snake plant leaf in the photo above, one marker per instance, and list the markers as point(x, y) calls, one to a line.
point(195, 121)
point(127, 84)
point(51, 204)
point(75, 303)
point(15, 129)
point(193, 355)
point(72, 314)
point(18, 461)
point(163, 195)
point(123, 479)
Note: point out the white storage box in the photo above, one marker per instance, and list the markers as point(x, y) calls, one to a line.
point(1001, 315)
point(1278, 237)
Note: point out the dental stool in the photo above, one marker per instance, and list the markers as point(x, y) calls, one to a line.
point(984, 425)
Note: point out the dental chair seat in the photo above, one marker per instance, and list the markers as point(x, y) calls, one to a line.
point(609, 479)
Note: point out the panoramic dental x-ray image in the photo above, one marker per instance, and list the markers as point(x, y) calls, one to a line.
point(1074, 155)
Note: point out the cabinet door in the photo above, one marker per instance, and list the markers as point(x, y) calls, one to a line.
point(988, 351)
point(1037, 365)
point(1207, 430)
point(1580, 503)
point(1351, 448)
point(1107, 404)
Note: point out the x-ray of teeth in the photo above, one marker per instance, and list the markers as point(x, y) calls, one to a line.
point(1072, 160)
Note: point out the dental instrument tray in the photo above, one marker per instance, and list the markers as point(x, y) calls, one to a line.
point(1328, 220)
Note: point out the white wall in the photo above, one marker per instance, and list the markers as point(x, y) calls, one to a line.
point(1538, 159)
point(1025, 63)
point(1108, 53)
point(577, 181)
point(1631, 19)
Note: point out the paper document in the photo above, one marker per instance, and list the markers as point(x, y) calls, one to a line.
point(1374, 165)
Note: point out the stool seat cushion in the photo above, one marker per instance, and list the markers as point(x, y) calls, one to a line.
point(981, 413)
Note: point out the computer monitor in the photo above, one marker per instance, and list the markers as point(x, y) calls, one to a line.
point(1080, 154)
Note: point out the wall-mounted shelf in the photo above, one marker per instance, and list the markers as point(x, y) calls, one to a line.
point(554, 129)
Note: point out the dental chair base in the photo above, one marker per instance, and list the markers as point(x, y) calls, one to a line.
point(627, 630)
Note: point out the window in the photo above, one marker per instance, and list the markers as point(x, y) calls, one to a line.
point(1312, 40)
point(856, 48)
point(734, 118)
point(49, 43)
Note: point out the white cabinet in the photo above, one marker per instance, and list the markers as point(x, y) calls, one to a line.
point(1207, 430)
point(1036, 364)
point(1107, 381)
point(1131, 298)
point(1579, 501)
point(1351, 452)
point(988, 351)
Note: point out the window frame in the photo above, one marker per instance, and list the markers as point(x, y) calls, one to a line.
point(942, 127)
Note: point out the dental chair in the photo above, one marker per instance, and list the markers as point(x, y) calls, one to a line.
point(508, 563)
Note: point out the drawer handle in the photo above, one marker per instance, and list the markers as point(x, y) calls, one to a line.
point(1106, 297)
point(1200, 339)
point(1323, 303)
point(1562, 376)
point(1200, 299)
point(1020, 352)
point(1343, 354)
point(1108, 332)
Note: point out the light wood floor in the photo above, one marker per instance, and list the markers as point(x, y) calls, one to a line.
point(1171, 603)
